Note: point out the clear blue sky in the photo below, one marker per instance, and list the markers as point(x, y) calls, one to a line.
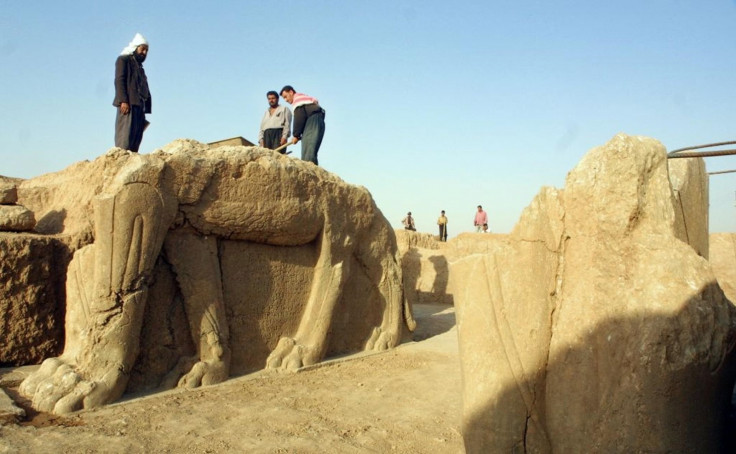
point(431, 105)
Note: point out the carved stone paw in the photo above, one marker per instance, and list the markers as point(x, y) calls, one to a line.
point(290, 355)
point(56, 387)
point(381, 340)
point(205, 373)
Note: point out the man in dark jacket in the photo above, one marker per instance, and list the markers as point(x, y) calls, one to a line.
point(309, 122)
point(132, 97)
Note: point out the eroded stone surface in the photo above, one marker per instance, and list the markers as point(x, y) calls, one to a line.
point(592, 326)
point(31, 296)
point(8, 192)
point(690, 190)
point(16, 218)
point(410, 239)
point(9, 412)
point(424, 267)
point(723, 259)
point(217, 222)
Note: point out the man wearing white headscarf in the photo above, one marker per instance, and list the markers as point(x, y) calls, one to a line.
point(132, 97)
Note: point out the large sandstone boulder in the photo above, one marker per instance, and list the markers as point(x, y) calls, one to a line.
point(206, 262)
point(592, 327)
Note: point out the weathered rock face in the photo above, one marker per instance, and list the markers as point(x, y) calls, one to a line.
point(9, 412)
point(408, 239)
point(723, 260)
point(8, 191)
point(424, 267)
point(31, 297)
point(474, 243)
point(425, 262)
point(591, 327)
point(61, 202)
point(690, 189)
point(503, 300)
point(209, 262)
point(33, 273)
point(15, 218)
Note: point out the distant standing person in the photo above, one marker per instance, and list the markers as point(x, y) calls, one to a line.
point(408, 222)
point(442, 223)
point(132, 96)
point(275, 125)
point(481, 220)
point(309, 122)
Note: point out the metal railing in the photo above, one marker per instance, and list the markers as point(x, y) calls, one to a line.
point(688, 152)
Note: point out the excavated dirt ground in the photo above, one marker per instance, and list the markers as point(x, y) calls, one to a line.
point(407, 400)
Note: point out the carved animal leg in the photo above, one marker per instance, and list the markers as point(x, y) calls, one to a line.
point(388, 335)
point(79, 292)
point(197, 266)
point(309, 344)
point(129, 230)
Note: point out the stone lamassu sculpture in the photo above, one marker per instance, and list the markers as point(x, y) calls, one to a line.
point(597, 325)
point(184, 200)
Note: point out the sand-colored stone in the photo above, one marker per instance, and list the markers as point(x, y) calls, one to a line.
point(238, 140)
point(723, 260)
point(228, 226)
point(592, 327)
point(408, 239)
point(403, 401)
point(16, 218)
point(469, 243)
point(690, 190)
point(31, 297)
point(9, 412)
point(8, 192)
point(61, 203)
point(503, 299)
point(424, 267)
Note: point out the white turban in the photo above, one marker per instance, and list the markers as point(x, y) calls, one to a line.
point(138, 40)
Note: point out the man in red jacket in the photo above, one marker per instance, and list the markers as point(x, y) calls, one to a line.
point(309, 122)
point(481, 220)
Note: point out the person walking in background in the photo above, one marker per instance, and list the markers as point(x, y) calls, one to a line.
point(309, 122)
point(481, 220)
point(132, 96)
point(442, 223)
point(275, 125)
point(408, 222)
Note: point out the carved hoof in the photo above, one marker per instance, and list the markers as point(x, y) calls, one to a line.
point(381, 340)
point(204, 373)
point(289, 355)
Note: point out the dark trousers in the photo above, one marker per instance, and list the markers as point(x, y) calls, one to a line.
point(129, 128)
point(314, 131)
point(272, 139)
point(443, 232)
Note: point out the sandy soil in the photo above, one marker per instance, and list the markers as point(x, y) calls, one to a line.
point(407, 400)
